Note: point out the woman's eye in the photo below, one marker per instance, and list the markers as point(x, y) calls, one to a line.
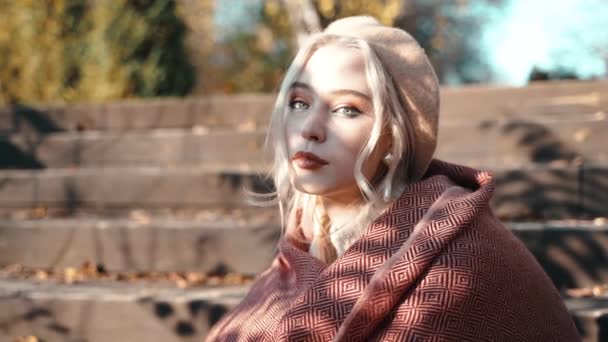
point(298, 105)
point(348, 111)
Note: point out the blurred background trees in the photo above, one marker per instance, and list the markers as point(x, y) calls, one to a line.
point(86, 50)
point(79, 50)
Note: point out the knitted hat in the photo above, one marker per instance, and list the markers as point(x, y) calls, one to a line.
point(407, 64)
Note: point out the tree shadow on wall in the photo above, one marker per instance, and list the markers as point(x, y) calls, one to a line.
point(571, 257)
point(14, 157)
point(29, 118)
point(549, 186)
point(43, 321)
point(31, 125)
point(192, 320)
point(557, 186)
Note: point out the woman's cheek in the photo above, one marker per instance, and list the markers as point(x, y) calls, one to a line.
point(371, 165)
point(291, 137)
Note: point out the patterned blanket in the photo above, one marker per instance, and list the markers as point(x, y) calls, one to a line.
point(436, 266)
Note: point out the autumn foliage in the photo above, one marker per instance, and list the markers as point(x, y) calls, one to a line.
point(75, 50)
point(87, 50)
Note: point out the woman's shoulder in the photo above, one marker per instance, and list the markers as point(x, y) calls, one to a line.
point(486, 275)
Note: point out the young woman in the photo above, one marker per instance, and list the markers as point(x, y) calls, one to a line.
point(381, 242)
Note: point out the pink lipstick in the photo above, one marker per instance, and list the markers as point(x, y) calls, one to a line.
point(308, 160)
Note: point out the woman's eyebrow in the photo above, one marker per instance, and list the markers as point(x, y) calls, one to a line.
point(300, 85)
point(333, 92)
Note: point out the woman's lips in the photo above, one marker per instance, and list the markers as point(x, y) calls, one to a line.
point(308, 161)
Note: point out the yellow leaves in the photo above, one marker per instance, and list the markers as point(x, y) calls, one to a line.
point(385, 11)
point(265, 39)
point(37, 56)
point(89, 271)
point(272, 8)
point(53, 53)
point(29, 338)
point(390, 12)
point(34, 60)
point(327, 8)
point(70, 275)
point(4, 32)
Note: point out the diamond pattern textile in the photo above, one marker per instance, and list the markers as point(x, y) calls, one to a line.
point(436, 266)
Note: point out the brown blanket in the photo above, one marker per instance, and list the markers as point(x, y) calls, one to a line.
point(436, 266)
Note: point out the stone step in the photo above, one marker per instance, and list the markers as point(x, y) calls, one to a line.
point(591, 317)
point(573, 253)
point(573, 99)
point(244, 111)
point(243, 245)
point(169, 148)
point(513, 142)
point(142, 187)
point(117, 312)
point(475, 103)
point(111, 312)
point(532, 191)
point(492, 142)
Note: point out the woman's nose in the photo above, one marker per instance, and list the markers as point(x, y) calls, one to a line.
point(313, 127)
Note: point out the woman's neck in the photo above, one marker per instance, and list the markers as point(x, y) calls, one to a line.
point(340, 212)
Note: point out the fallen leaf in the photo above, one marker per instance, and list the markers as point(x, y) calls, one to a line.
point(70, 275)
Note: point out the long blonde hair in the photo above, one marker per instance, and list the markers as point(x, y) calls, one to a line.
point(390, 118)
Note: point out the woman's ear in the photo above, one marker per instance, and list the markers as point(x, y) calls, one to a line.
point(386, 143)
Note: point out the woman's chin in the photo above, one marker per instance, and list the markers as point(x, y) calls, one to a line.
point(313, 189)
point(328, 191)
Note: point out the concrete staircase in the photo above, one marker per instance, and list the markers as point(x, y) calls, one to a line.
point(157, 186)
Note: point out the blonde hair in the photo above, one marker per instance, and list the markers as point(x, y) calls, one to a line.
point(390, 118)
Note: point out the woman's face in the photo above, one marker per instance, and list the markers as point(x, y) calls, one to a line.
point(330, 118)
